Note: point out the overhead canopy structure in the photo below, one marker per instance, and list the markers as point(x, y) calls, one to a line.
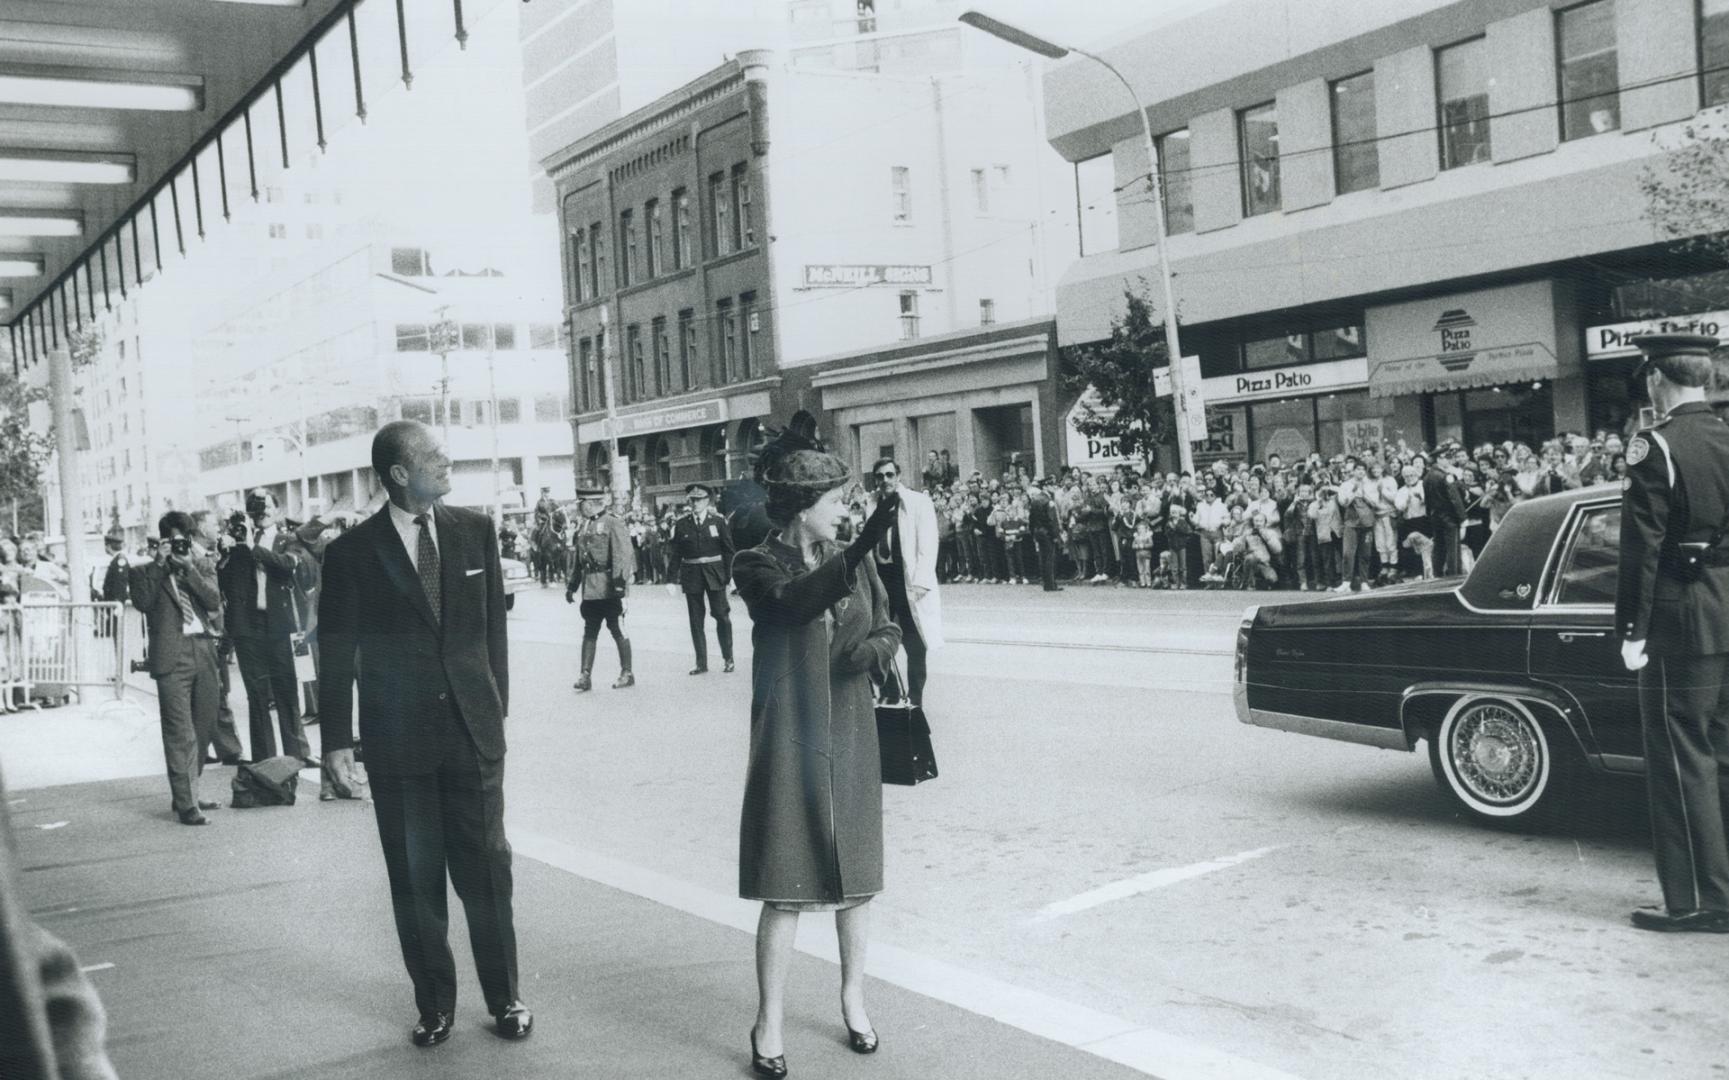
point(129, 127)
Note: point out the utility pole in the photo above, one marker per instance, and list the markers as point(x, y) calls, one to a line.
point(66, 450)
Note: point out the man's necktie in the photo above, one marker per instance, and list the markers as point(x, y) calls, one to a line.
point(426, 561)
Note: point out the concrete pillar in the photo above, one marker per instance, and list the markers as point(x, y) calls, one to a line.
point(1522, 94)
point(1216, 192)
point(1305, 140)
point(1656, 40)
point(1405, 117)
point(66, 453)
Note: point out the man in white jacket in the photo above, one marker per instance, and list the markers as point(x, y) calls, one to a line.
point(907, 563)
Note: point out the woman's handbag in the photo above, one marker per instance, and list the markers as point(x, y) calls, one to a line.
point(904, 737)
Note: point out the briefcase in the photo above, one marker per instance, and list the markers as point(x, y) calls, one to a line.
point(271, 782)
point(904, 738)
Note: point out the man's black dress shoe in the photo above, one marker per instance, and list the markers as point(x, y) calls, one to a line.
point(232, 759)
point(699, 670)
point(515, 1022)
point(206, 804)
point(208, 760)
point(191, 816)
point(1676, 922)
point(728, 666)
point(433, 1029)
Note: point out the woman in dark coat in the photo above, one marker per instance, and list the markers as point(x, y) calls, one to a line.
point(810, 838)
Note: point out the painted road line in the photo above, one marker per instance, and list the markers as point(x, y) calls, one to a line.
point(88, 968)
point(1157, 879)
point(1125, 1042)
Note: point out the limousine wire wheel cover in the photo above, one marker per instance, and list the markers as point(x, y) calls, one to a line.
point(1494, 757)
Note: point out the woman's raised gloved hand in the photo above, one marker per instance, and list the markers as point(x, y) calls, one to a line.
point(875, 528)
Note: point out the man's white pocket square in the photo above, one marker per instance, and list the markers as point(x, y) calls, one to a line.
point(471, 573)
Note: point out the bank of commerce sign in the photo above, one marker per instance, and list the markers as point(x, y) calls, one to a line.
point(830, 275)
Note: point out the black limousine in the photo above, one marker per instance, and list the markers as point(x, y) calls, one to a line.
point(1512, 674)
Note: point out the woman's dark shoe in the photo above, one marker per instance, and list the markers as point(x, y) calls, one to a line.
point(861, 1042)
point(763, 1066)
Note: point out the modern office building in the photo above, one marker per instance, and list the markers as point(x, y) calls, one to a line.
point(1408, 219)
point(302, 369)
point(764, 218)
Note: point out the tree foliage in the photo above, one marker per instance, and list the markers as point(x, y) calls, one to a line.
point(1120, 371)
point(23, 452)
point(1687, 191)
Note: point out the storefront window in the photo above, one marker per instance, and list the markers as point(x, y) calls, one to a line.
point(1339, 343)
point(1520, 412)
point(1286, 428)
point(1354, 423)
point(1275, 352)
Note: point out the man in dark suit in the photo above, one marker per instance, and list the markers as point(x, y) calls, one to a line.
point(182, 606)
point(1446, 506)
point(258, 588)
point(114, 579)
point(702, 557)
point(1672, 616)
point(413, 605)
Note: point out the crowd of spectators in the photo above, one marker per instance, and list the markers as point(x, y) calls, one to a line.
point(1383, 514)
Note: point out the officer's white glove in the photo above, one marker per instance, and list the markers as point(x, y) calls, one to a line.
point(1633, 655)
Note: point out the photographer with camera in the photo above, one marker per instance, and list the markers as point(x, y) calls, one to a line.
point(182, 605)
point(258, 588)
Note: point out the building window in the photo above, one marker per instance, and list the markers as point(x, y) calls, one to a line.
point(579, 264)
point(412, 337)
point(476, 337)
point(509, 411)
point(680, 229)
point(686, 347)
point(727, 325)
point(867, 16)
point(549, 408)
point(597, 260)
point(909, 316)
point(747, 341)
point(636, 384)
point(656, 265)
point(662, 356)
point(504, 335)
point(278, 231)
point(1590, 95)
point(1332, 343)
point(1714, 51)
point(743, 217)
point(1462, 74)
point(1179, 204)
point(418, 409)
point(981, 192)
point(901, 194)
point(1095, 194)
point(1258, 150)
point(315, 231)
point(410, 262)
point(585, 372)
point(542, 336)
point(987, 312)
point(626, 247)
point(1356, 162)
point(720, 205)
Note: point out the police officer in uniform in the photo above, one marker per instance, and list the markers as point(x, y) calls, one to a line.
point(1672, 616)
point(601, 567)
point(702, 552)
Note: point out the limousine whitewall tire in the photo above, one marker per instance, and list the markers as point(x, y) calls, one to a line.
point(1495, 758)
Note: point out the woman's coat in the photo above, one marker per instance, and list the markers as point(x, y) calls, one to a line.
point(811, 829)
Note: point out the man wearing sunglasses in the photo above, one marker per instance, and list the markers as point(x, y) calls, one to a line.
point(906, 561)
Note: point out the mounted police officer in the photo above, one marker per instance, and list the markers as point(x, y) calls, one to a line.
point(1672, 616)
point(601, 567)
point(702, 551)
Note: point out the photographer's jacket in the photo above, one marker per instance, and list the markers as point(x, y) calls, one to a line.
point(277, 615)
point(1676, 492)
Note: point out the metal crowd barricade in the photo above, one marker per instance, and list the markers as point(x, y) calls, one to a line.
point(51, 649)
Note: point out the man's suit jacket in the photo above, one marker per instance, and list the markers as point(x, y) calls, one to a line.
point(162, 613)
point(1441, 495)
point(114, 580)
point(376, 626)
point(239, 579)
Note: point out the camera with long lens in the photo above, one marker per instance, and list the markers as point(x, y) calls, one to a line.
point(236, 528)
point(257, 505)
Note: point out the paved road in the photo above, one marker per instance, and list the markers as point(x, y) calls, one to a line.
point(1106, 835)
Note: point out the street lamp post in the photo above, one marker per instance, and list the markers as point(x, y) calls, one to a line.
point(1174, 353)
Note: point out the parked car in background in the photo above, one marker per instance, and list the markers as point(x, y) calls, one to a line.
point(1511, 675)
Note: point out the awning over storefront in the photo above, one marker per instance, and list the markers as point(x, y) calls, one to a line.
point(1463, 340)
point(129, 128)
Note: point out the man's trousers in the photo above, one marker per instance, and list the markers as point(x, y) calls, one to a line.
point(1684, 707)
point(267, 672)
point(186, 696)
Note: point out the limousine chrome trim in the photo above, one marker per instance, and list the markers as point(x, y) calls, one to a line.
point(1623, 763)
point(1362, 734)
point(1522, 696)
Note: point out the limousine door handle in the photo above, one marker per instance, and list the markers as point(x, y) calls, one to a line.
point(1568, 636)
